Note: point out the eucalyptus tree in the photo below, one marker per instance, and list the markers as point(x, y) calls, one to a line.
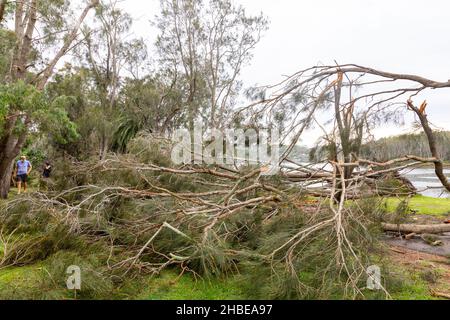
point(204, 45)
point(44, 32)
point(111, 54)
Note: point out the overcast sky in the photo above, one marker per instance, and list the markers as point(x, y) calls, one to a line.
point(404, 36)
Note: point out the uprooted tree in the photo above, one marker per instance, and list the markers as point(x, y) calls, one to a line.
point(362, 98)
point(205, 220)
point(209, 219)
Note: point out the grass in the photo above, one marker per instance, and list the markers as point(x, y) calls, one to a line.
point(417, 290)
point(413, 287)
point(169, 286)
point(19, 277)
point(13, 193)
point(422, 205)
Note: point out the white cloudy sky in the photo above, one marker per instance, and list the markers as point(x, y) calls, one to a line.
point(404, 36)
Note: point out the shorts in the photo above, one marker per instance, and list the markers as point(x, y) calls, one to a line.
point(22, 178)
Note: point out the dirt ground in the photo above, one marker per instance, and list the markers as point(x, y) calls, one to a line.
point(434, 268)
point(419, 256)
point(421, 243)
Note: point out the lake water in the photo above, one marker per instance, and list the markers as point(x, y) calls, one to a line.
point(426, 182)
point(424, 179)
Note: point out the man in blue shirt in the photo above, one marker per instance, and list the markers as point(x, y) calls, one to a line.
point(23, 169)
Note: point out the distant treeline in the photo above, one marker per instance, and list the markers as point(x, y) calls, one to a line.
point(406, 144)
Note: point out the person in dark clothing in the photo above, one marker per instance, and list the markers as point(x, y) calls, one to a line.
point(47, 170)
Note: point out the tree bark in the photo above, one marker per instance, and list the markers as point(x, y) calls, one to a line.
point(344, 123)
point(5, 178)
point(10, 145)
point(24, 52)
point(416, 228)
point(2, 9)
point(438, 165)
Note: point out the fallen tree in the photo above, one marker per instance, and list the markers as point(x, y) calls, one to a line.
point(212, 220)
point(151, 215)
point(417, 228)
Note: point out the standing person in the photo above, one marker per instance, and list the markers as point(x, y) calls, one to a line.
point(23, 169)
point(47, 170)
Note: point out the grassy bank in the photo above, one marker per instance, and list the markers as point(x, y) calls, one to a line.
point(421, 205)
point(26, 282)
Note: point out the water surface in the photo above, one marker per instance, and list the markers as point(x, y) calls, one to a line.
point(425, 180)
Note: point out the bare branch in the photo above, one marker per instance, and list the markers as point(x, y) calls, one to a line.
point(48, 71)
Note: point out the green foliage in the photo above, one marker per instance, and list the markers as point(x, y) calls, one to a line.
point(71, 88)
point(19, 98)
point(7, 41)
point(33, 107)
point(150, 105)
point(126, 131)
point(204, 58)
point(171, 286)
point(392, 186)
point(56, 123)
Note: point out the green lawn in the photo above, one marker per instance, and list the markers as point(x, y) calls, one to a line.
point(20, 277)
point(413, 289)
point(422, 205)
point(169, 286)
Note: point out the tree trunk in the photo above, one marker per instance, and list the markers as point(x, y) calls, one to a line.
point(344, 125)
point(438, 165)
point(416, 228)
point(5, 178)
point(2, 9)
point(10, 147)
point(6, 165)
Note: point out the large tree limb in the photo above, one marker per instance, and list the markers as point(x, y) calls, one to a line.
point(353, 68)
point(398, 76)
point(316, 73)
point(416, 228)
point(440, 294)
